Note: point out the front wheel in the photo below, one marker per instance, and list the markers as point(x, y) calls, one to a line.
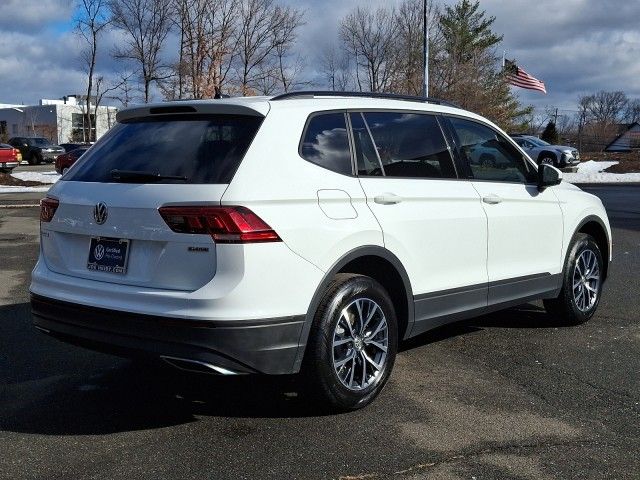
point(546, 160)
point(582, 282)
point(352, 343)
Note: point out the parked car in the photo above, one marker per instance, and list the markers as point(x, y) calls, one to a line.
point(36, 150)
point(10, 158)
point(309, 232)
point(64, 161)
point(543, 152)
point(68, 147)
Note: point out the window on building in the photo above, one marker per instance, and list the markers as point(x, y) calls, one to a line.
point(80, 127)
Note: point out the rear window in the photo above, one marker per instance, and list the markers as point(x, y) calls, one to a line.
point(326, 142)
point(202, 148)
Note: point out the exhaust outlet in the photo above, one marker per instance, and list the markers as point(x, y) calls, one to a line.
point(197, 366)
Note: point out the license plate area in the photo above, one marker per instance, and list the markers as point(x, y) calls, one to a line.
point(108, 255)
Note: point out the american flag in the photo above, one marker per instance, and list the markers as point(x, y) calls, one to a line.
point(517, 77)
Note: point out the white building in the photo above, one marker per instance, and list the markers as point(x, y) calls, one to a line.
point(61, 121)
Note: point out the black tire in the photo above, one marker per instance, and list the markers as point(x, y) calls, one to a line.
point(321, 373)
point(547, 159)
point(565, 306)
point(487, 160)
point(36, 159)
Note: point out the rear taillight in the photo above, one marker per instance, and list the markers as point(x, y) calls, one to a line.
point(48, 207)
point(224, 224)
point(15, 153)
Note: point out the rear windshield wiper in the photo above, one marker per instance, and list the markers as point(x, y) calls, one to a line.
point(142, 176)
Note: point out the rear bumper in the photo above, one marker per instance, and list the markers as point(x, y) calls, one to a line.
point(265, 346)
point(11, 164)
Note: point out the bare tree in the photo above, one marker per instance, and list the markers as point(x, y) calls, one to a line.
point(632, 112)
point(370, 38)
point(93, 19)
point(534, 122)
point(262, 28)
point(600, 114)
point(605, 107)
point(103, 89)
point(124, 93)
point(146, 24)
point(208, 41)
point(335, 66)
point(409, 76)
point(284, 39)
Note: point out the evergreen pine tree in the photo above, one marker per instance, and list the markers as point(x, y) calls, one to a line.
point(550, 134)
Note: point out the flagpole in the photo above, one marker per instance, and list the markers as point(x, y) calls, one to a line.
point(504, 55)
point(425, 49)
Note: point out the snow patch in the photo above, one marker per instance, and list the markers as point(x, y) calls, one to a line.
point(592, 172)
point(42, 177)
point(9, 189)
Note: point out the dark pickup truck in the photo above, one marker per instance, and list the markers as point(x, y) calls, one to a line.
point(36, 150)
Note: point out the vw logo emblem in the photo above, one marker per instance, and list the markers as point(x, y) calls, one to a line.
point(98, 252)
point(100, 213)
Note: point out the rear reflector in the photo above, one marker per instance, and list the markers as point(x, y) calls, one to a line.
point(224, 224)
point(48, 207)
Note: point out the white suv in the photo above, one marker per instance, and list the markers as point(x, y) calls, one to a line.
point(306, 232)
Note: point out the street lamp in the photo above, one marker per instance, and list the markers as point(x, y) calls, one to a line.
point(425, 49)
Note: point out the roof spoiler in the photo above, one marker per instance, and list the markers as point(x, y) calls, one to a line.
point(220, 107)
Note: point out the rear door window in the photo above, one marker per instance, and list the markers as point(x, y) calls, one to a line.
point(326, 142)
point(410, 145)
point(204, 149)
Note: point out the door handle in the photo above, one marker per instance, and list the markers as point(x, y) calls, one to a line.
point(492, 199)
point(387, 199)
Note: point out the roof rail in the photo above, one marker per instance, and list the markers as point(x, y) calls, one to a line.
point(390, 96)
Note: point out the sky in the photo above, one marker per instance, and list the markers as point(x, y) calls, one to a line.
point(574, 46)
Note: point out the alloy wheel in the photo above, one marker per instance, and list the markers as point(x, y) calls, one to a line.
point(360, 344)
point(586, 280)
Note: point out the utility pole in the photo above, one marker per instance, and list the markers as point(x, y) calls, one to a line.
point(425, 49)
point(555, 117)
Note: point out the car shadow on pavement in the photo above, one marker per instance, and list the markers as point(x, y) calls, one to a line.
point(523, 316)
point(51, 388)
point(87, 393)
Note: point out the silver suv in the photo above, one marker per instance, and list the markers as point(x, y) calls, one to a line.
point(559, 156)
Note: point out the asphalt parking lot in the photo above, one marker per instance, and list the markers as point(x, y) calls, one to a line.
point(508, 395)
point(43, 167)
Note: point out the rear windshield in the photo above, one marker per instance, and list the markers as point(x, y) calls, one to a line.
point(198, 148)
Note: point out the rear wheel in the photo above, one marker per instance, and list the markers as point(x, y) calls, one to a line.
point(582, 282)
point(352, 343)
point(35, 159)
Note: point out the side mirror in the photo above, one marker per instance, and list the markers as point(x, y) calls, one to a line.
point(548, 176)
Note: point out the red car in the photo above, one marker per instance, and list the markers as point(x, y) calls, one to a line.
point(10, 158)
point(64, 161)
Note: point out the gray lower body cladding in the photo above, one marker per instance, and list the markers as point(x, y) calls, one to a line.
point(261, 346)
point(439, 308)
